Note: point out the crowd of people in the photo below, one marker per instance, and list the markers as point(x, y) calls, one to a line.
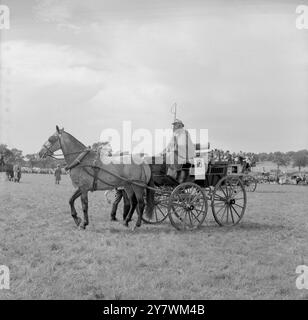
point(217, 155)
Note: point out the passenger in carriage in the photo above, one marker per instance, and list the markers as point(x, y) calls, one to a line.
point(179, 153)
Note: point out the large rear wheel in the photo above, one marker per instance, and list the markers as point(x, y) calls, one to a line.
point(229, 201)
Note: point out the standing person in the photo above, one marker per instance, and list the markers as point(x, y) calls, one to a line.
point(180, 151)
point(58, 174)
point(120, 193)
point(117, 199)
point(17, 172)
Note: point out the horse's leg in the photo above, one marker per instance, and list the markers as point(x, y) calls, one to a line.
point(127, 206)
point(140, 203)
point(133, 205)
point(130, 195)
point(84, 203)
point(73, 210)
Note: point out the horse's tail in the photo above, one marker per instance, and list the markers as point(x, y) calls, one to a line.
point(150, 198)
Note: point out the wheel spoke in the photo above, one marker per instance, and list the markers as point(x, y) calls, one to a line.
point(238, 205)
point(191, 223)
point(223, 214)
point(235, 211)
point(227, 214)
point(156, 214)
point(231, 214)
point(223, 190)
point(161, 211)
point(196, 217)
point(193, 195)
point(220, 198)
point(220, 209)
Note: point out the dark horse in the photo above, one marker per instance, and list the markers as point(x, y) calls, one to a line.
point(88, 173)
point(7, 168)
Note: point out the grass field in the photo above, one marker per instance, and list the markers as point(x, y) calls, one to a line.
point(49, 258)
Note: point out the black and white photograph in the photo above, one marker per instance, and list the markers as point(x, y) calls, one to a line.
point(154, 151)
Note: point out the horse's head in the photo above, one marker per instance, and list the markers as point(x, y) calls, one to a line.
point(52, 144)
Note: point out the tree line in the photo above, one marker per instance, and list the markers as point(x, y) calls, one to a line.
point(298, 159)
point(31, 160)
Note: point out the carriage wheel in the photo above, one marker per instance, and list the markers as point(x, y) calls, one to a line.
point(250, 183)
point(229, 201)
point(187, 206)
point(160, 211)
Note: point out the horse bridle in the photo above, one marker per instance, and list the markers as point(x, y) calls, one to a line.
point(56, 157)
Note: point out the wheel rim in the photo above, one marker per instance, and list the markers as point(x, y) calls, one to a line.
point(229, 201)
point(187, 206)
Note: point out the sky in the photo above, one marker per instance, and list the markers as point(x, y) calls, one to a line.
point(236, 68)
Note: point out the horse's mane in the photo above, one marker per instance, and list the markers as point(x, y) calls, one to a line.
point(75, 140)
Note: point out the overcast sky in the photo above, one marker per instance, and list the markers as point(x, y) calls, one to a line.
point(237, 68)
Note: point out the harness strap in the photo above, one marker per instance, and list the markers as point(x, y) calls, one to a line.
point(94, 185)
point(129, 181)
point(78, 160)
point(95, 177)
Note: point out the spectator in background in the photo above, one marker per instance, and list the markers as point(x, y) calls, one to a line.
point(58, 174)
point(229, 157)
point(2, 163)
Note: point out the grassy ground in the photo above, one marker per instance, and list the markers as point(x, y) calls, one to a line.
point(49, 258)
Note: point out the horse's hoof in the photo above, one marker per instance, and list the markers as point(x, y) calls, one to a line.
point(78, 221)
point(125, 224)
point(113, 219)
point(82, 226)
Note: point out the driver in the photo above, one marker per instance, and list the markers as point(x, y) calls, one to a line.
point(180, 151)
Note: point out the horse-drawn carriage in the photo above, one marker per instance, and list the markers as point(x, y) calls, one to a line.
point(220, 185)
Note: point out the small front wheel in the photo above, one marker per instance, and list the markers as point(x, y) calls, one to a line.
point(229, 201)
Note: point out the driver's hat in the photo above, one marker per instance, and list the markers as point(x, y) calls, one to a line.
point(177, 121)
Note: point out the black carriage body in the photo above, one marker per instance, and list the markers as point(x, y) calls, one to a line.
point(185, 203)
point(214, 173)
